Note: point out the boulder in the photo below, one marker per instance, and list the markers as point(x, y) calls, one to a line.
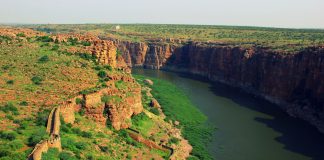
point(149, 82)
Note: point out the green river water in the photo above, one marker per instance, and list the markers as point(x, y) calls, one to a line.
point(247, 128)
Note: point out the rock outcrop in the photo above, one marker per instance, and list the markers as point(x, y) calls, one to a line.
point(120, 104)
point(294, 81)
point(104, 50)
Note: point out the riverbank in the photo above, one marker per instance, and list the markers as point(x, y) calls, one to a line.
point(178, 107)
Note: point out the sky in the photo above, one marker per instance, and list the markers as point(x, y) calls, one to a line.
point(269, 13)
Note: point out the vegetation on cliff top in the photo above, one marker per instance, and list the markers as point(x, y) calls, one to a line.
point(276, 38)
point(38, 74)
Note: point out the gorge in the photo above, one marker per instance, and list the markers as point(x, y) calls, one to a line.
point(294, 81)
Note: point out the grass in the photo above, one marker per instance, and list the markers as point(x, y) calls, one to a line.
point(142, 123)
point(37, 75)
point(275, 38)
point(40, 75)
point(178, 107)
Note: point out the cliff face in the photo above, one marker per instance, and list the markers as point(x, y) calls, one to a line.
point(293, 81)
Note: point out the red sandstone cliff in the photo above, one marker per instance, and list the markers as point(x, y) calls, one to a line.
point(295, 81)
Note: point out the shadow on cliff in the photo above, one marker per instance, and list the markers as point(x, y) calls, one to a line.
point(296, 135)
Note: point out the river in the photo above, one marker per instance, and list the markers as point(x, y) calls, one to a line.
point(248, 128)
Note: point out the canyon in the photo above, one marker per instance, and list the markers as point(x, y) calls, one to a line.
point(293, 81)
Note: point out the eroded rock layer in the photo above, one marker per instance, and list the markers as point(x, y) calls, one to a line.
point(294, 81)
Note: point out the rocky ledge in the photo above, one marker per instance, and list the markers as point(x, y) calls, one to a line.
point(294, 81)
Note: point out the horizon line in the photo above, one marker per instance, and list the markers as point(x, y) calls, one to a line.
point(185, 24)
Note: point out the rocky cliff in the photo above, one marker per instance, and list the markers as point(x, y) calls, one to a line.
point(294, 81)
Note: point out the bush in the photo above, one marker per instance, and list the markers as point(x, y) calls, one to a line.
point(102, 74)
point(10, 82)
point(123, 133)
point(81, 145)
point(66, 156)
point(20, 35)
point(23, 103)
point(105, 98)
point(86, 43)
point(51, 154)
point(76, 131)
point(73, 41)
point(5, 39)
point(155, 111)
point(118, 53)
point(108, 67)
point(103, 148)
point(43, 59)
point(37, 136)
point(65, 129)
point(44, 39)
point(9, 107)
point(55, 47)
point(7, 135)
point(97, 68)
point(173, 140)
point(86, 56)
point(80, 101)
point(86, 134)
point(5, 67)
point(10, 117)
point(37, 80)
point(16, 144)
point(41, 117)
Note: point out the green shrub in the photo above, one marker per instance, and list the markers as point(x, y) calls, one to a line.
point(120, 84)
point(86, 56)
point(10, 82)
point(20, 35)
point(37, 80)
point(76, 131)
point(109, 68)
point(10, 107)
point(23, 124)
point(55, 48)
point(51, 154)
point(102, 74)
point(5, 67)
point(72, 41)
point(80, 101)
point(124, 134)
point(118, 53)
point(173, 140)
point(66, 156)
point(65, 128)
point(5, 39)
point(103, 148)
point(8, 135)
point(43, 59)
point(105, 98)
point(37, 136)
point(97, 68)
point(86, 43)
point(16, 144)
point(81, 145)
point(10, 117)
point(86, 134)
point(23, 103)
point(44, 39)
point(41, 117)
point(155, 111)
